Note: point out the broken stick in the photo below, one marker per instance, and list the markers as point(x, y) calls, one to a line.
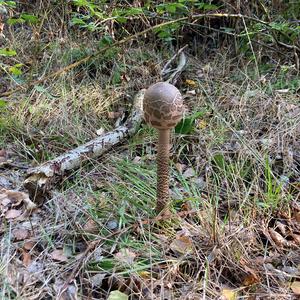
point(41, 179)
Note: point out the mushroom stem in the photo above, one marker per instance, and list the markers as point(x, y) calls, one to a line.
point(163, 153)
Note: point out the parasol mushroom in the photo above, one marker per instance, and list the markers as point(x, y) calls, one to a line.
point(163, 109)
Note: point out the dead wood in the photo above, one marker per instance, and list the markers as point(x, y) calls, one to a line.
point(42, 179)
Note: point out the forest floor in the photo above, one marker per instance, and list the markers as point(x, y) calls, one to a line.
point(235, 182)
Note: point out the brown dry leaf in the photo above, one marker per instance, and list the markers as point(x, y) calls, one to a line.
point(278, 239)
point(59, 255)
point(182, 244)
point(26, 258)
point(228, 294)
point(282, 228)
point(296, 238)
point(125, 256)
point(28, 245)
point(20, 234)
point(295, 287)
point(13, 213)
point(15, 198)
point(91, 226)
point(180, 167)
point(251, 279)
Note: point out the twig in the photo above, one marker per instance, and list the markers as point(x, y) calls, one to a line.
point(167, 69)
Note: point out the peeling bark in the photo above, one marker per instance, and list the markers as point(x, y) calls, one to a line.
point(41, 179)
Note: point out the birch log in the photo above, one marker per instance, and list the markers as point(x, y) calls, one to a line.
point(41, 179)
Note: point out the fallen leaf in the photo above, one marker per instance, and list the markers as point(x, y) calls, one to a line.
point(228, 294)
point(296, 238)
point(278, 239)
point(90, 226)
point(26, 258)
point(58, 255)
point(295, 287)
point(15, 198)
point(20, 234)
point(201, 124)
point(190, 82)
point(251, 279)
point(13, 213)
point(125, 256)
point(117, 295)
point(145, 274)
point(282, 228)
point(182, 244)
point(180, 167)
point(28, 245)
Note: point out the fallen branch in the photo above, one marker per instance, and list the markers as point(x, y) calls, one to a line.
point(41, 179)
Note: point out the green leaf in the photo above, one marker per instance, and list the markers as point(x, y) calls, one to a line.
point(81, 2)
point(117, 295)
point(133, 11)
point(105, 41)
point(206, 6)
point(121, 19)
point(31, 19)
point(187, 125)
point(7, 52)
point(3, 103)
point(15, 70)
point(11, 4)
point(14, 21)
point(219, 161)
point(116, 79)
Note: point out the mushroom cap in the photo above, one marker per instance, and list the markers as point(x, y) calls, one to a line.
point(163, 105)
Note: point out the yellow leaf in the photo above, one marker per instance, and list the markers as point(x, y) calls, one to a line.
point(202, 124)
point(228, 294)
point(191, 82)
point(145, 274)
point(295, 286)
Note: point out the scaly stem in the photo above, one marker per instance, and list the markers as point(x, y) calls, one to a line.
point(163, 152)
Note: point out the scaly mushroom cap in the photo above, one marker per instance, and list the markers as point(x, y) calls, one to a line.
point(163, 105)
